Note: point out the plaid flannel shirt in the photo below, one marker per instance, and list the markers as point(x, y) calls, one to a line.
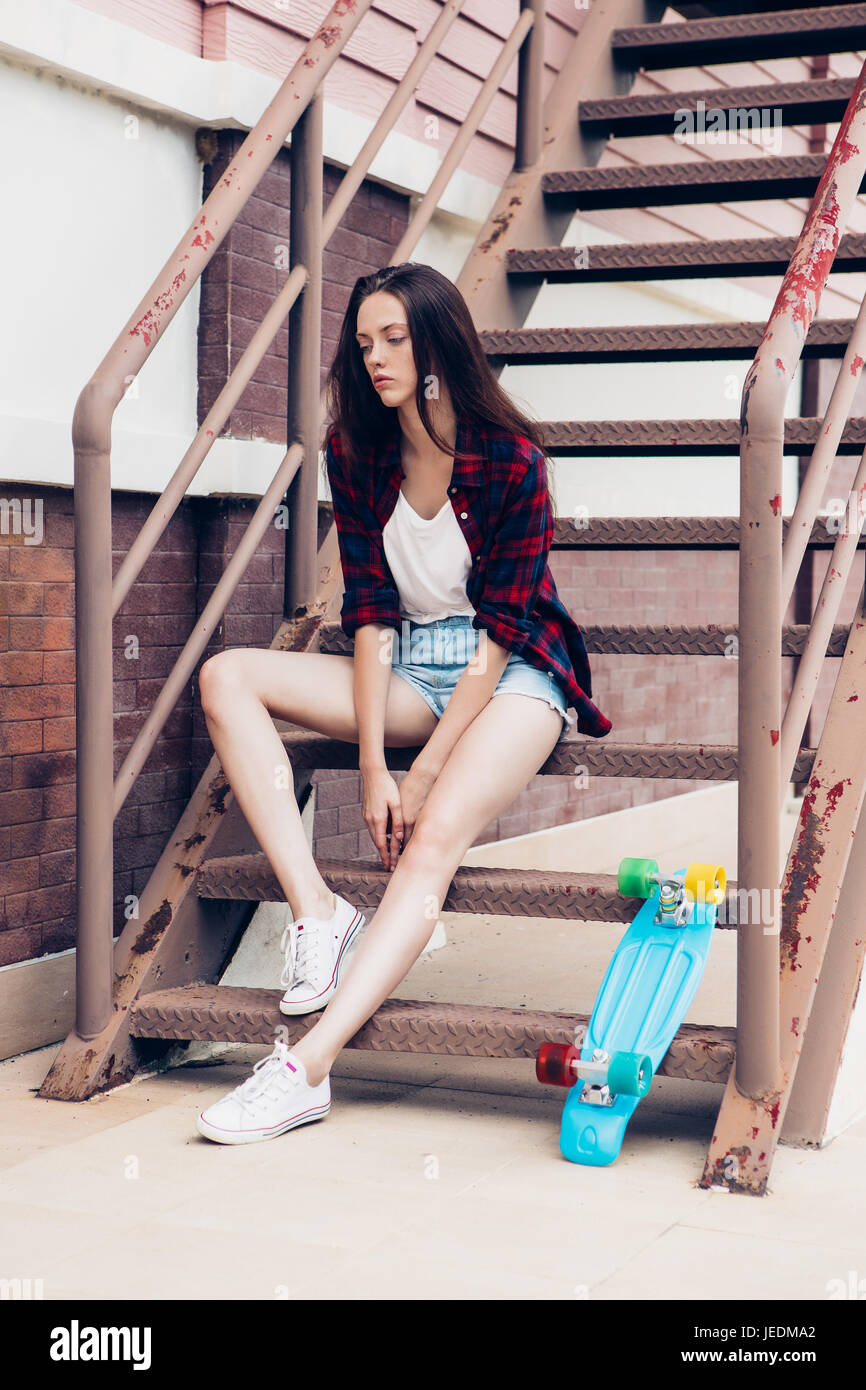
point(499, 495)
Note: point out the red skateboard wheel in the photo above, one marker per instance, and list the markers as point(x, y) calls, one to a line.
point(553, 1064)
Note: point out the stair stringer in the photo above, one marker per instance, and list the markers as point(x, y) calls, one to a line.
point(747, 1130)
point(829, 1091)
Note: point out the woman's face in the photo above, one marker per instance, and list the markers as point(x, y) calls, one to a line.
point(386, 348)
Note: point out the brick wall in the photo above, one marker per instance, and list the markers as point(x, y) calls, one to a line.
point(37, 699)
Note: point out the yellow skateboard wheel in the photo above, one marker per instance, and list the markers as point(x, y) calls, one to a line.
point(706, 883)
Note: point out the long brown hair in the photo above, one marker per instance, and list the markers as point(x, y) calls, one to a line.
point(445, 345)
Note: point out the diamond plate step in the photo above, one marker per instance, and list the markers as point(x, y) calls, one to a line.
point(712, 438)
point(646, 639)
point(671, 260)
point(693, 180)
point(701, 762)
point(742, 38)
point(218, 1013)
point(684, 532)
point(502, 892)
point(657, 113)
point(669, 342)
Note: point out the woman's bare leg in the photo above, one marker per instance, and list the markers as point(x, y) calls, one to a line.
point(478, 781)
point(241, 692)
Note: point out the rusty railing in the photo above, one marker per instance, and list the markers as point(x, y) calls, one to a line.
point(296, 109)
point(768, 745)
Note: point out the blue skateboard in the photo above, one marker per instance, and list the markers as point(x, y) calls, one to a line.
point(644, 996)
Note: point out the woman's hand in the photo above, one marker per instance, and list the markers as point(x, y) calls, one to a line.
point(381, 802)
point(414, 790)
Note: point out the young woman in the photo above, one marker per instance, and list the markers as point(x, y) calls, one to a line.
point(444, 523)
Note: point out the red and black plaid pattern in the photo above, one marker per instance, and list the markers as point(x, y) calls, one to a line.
point(499, 495)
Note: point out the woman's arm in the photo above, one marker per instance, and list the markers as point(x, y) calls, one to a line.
point(370, 594)
point(372, 674)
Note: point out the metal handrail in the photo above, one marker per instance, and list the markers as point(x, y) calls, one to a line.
point(761, 608)
point(98, 597)
point(196, 454)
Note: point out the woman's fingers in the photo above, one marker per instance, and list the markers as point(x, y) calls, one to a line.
point(396, 833)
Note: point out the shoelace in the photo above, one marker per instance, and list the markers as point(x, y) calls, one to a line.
point(287, 946)
point(300, 947)
point(265, 1072)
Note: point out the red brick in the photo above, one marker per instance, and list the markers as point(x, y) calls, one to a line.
point(21, 598)
point(59, 800)
point(162, 816)
point(341, 791)
point(58, 600)
point(59, 520)
point(20, 806)
point(160, 597)
point(36, 701)
point(27, 909)
point(249, 630)
point(143, 850)
point(350, 818)
point(19, 875)
point(22, 736)
point(57, 936)
point(35, 770)
point(41, 634)
point(34, 562)
point(341, 847)
point(19, 945)
point(56, 868)
point(57, 734)
point(58, 668)
point(250, 273)
point(41, 837)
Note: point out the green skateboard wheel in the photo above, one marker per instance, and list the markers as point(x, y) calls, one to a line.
point(634, 877)
point(629, 1074)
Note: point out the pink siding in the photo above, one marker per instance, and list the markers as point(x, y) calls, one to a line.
point(257, 34)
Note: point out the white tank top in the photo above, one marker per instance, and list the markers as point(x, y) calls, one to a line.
point(430, 562)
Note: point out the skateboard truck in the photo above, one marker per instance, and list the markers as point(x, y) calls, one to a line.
point(605, 1076)
point(678, 893)
point(674, 908)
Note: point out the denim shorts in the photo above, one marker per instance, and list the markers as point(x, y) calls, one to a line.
point(431, 657)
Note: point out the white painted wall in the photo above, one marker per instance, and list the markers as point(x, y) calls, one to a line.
point(84, 240)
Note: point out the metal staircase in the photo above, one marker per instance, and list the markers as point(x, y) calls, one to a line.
point(211, 875)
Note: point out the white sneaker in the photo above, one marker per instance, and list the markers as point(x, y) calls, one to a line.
point(275, 1098)
point(315, 950)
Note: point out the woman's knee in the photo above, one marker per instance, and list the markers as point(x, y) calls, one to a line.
point(220, 675)
point(434, 843)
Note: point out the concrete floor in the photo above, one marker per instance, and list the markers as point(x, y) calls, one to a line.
point(432, 1177)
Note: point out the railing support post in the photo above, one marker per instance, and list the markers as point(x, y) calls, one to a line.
point(94, 731)
point(303, 416)
point(530, 89)
point(759, 725)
